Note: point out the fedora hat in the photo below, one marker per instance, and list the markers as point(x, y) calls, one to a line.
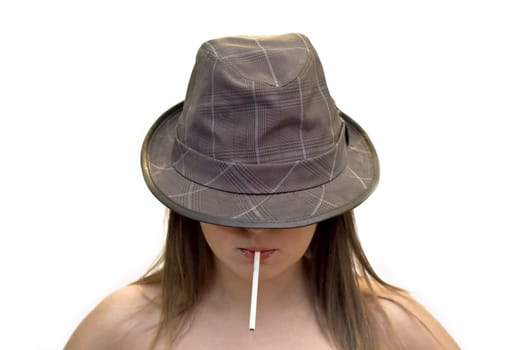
point(258, 140)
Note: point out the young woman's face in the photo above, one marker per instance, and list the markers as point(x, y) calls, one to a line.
point(280, 249)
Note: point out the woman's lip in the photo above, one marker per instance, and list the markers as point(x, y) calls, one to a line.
point(264, 253)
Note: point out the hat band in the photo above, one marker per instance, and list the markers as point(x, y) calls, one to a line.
point(268, 178)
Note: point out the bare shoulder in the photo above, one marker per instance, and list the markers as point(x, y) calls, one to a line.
point(120, 315)
point(414, 327)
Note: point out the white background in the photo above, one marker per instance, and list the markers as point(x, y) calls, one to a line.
point(439, 86)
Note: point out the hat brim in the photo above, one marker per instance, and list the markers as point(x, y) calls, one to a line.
point(278, 210)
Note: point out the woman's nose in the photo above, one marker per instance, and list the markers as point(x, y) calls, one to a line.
point(257, 231)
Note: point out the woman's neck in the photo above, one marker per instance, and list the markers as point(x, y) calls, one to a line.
point(231, 292)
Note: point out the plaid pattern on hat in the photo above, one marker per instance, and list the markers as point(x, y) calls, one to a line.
point(258, 141)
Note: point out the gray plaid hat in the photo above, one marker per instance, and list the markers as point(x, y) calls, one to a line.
point(258, 140)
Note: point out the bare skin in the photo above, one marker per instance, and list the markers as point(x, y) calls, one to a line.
point(111, 326)
point(285, 316)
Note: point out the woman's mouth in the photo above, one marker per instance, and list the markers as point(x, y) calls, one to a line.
point(264, 253)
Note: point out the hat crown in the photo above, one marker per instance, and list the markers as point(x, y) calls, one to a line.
point(275, 60)
point(258, 100)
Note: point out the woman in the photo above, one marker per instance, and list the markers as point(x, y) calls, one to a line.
point(259, 164)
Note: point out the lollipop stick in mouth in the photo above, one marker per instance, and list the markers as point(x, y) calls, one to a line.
point(254, 291)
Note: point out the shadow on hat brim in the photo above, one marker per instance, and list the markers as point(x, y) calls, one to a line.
point(278, 210)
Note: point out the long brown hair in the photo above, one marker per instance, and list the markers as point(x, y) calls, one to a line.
point(340, 277)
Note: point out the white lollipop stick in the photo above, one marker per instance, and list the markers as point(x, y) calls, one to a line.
point(254, 291)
